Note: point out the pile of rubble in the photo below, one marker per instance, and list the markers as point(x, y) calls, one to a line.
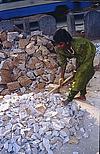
point(27, 64)
point(33, 123)
point(36, 124)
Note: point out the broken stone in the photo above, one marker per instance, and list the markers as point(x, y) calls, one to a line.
point(57, 125)
point(6, 145)
point(73, 140)
point(23, 43)
point(5, 76)
point(24, 80)
point(82, 130)
point(2, 55)
point(30, 48)
point(39, 72)
point(11, 36)
point(5, 92)
point(41, 85)
point(46, 144)
point(31, 63)
point(40, 107)
point(66, 140)
point(7, 45)
point(10, 147)
point(44, 50)
point(4, 107)
point(13, 85)
point(63, 133)
point(3, 36)
point(86, 135)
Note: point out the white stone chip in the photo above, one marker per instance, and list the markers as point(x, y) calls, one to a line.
point(75, 153)
point(46, 144)
point(6, 144)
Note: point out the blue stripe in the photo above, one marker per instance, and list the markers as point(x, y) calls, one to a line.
point(36, 9)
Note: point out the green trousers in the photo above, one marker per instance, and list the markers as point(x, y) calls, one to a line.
point(73, 93)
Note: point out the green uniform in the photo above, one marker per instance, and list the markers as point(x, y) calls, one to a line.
point(84, 52)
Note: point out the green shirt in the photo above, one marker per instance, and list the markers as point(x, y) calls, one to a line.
point(84, 52)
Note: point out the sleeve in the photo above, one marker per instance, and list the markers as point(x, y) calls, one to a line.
point(89, 49)
point(62, 56)
point(87, 61)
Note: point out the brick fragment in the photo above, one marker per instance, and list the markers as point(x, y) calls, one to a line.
point(24, 80)
point(23, 43)
point(13, 85)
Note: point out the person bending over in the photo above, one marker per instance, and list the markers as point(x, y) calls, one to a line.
point(84, 51)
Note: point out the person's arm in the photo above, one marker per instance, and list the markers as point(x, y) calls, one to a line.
point(63, 71)
point(62, 61)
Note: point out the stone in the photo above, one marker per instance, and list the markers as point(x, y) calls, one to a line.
point(82, 130)
point(23, 90)
point(10, 147)
point(31, 63)
point(5, 76)
point(30, 48)
point(6, 145)
point(5, 92)
point(2, 55)
point(44, 50)
point(39, 72)
point(57, 125)
point(13, 85)
point(46, 144)
point(86, 135)
point(7, 45)
point(4, 107)
point(11, 36)
point(16, 147)
point(73, 140)
point(41, 85)
point(51, 114)
point(28, 148)
point(23, 43)
point(63, 133)
point(40, 107)
point(55, 133)
point(66, 140)
point(24, 80)
point(3, 36)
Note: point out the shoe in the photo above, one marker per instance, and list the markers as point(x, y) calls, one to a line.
point(65, 102)
point(83, 98)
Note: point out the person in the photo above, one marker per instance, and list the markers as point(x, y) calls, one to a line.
point(84, 51)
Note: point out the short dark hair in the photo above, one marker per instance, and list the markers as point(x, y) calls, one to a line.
point(61, 35)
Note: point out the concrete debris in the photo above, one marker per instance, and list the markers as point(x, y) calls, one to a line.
point(36, 123)
point(27, 60)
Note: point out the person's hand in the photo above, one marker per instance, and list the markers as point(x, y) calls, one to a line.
point(61, 80)
point(74, 72)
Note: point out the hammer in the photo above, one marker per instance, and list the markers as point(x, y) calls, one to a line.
point(60, 84)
